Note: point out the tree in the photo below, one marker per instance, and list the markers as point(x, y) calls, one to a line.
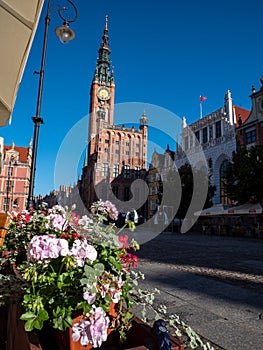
point(244, 175)
point(186, 173)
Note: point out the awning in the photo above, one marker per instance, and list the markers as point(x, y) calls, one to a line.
point(18, 24)
point(217, 209)
point(245, 209)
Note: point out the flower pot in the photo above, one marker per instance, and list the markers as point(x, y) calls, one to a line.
point(4, 223)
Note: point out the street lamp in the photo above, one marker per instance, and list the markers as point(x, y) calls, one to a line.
point(65, 34)
point(8, 183)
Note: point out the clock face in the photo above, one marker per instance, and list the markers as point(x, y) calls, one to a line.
point(103, 94)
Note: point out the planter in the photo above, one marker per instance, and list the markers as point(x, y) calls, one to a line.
point(4, 223)
point(140, 336)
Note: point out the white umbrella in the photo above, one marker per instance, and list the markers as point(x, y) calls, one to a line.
point(18, 22)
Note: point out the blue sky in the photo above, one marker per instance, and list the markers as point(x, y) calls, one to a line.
point(164, 53)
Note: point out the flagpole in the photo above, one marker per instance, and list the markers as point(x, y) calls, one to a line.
point(201, 112)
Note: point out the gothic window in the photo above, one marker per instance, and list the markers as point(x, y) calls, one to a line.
point(10, 171)
point(218, 129)
point(223, 196)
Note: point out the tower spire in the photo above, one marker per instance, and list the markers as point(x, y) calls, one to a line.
point(103, 72)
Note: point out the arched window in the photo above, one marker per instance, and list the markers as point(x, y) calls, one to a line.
point(223, 196)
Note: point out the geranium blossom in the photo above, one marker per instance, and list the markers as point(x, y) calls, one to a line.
point(81, 250)
point(44, 248)
point(92, 329)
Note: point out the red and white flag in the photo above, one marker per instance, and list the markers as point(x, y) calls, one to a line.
point(202, 98)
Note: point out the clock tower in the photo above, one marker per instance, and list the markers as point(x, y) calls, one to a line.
point(102, 91)
point(116, 155)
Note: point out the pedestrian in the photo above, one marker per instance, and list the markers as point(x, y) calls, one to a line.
point(132, 216)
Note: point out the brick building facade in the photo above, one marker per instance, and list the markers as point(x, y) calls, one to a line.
point(14, 177)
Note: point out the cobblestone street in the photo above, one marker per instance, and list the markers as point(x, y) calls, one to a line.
point(214, 283)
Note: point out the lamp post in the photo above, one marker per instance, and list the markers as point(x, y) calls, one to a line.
point(8, 183)
point(65, 34)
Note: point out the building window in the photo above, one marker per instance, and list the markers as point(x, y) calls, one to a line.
point(127, 172)
point(107, 141)
point(6, 204)
point(116, 170)
point(251, 136)
point(126, 193)
point(117, 151)
point(205, 135)
point(127, 153)
point(137, 145)
point(137, 172)
point(128, 144)
point(211, 132)
point(137, 154)
point(106, 150)
point(197, 135)
point(8, 185)
point(218, 129)
point(105, 169)
point(117, 142)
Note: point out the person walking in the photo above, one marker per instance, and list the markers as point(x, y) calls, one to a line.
point(132, 216)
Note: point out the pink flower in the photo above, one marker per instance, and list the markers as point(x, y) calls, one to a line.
point(92, 329)
point(89, 297)
point(81, 250)
point(44, 248)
